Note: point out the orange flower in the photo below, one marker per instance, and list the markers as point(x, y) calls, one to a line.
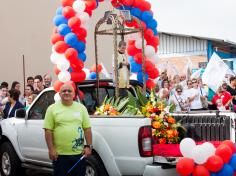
point(107, 107)
point(171, 120)
point(170, 133)
point(162, 140)
point(176, 133)
point(156, 124)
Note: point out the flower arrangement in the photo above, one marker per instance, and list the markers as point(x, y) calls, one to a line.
point(165, 128)
point(107, 109)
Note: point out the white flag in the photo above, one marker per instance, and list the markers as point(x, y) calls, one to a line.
point(214, 73)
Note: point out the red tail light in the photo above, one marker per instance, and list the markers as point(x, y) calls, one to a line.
point(145, 141)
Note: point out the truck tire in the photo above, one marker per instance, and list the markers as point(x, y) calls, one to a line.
point(95, 167)
point(10, 164)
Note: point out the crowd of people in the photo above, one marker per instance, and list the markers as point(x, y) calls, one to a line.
point(11, 98)
point(192, 95)
point(185, 93)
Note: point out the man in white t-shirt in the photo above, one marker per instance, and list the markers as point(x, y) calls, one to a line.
point(197, 94)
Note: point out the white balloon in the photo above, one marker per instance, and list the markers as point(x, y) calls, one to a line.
point(64, 76)
point(133, 77)
point(209, 149)
point(149, 51)
point(53, 49)
point(154, 58)
point(198, 155)
point(55, 57)
point(138, 43)
point(186, 146)
point(63, 64)
point(87, 72)
point(79, 6)
point(83, 16)
point(57, 97)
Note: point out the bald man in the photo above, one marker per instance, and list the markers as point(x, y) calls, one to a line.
point(66, 125)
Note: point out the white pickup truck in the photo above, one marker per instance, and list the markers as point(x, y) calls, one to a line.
point(121, 145)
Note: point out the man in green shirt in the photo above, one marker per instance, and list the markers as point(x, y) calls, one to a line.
point(66, 124)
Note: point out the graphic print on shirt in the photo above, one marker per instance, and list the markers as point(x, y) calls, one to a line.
point(78, 142)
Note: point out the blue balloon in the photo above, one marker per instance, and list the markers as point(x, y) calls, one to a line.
point(82, 56)
point(70, 70)
point(131, 59)
point(80, 47)
point(232, 162)
point(59, 19)
point(136, 12)
point(92, 75)
point(64, 29)
point(152, 24)
point(59, 11)
point(125, 7)
point(155, 32)
point(227, 170)
point(213, 174)
point(147, 16)
point(135, 67)
point(71, 39)
point(140, 77)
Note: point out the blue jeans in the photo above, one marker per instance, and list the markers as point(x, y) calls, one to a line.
point(65, 162)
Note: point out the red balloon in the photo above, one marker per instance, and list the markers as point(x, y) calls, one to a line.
point(132, 50)
point(57, 85)
point(90, 4)
point(200, 170)
point(154, 41)
point(146, 6)
point(67, 3)
point(56, 37)
point(131, 42)
point(56, 70)
point(93, 69)
point(74, 23)
point(78, 76)
point(150, 84)
point(61, 47)
point(224, 152)
point(139, 58)
point(71, 54)
point(230, 144)
point(76, 65)
point(148, 34)
point(137, 3)
point(214, 163)
point(185, 166)
point(90, 12)
point(80, 32)
point(130, 24)
point(127, 2)
point(153, 73)
point(68, 12)
point(115, 3)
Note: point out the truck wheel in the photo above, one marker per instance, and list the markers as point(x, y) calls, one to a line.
point(95, 167)
point(10, 164)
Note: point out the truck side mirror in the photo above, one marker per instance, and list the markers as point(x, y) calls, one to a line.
point(20, 113)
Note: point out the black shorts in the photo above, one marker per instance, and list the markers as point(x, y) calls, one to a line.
point(65, 162)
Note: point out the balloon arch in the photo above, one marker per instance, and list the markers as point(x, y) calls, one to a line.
point(70, 32)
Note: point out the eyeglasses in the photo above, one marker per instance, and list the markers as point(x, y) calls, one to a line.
point(179, 91)
point(67, 90)
point(194, 82)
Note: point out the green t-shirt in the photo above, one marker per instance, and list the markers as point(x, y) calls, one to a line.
point(67, 124)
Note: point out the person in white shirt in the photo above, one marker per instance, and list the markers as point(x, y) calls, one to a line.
point(197, 94)
point(178, 99)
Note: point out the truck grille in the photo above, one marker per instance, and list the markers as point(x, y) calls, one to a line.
point(202, 128)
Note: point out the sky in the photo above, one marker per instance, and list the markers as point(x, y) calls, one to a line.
point(204, 18)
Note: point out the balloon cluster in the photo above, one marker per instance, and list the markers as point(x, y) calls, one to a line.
point(93, 71)
point(141, 9)
point(70, 32)
point(206, 160)
point(69, 40)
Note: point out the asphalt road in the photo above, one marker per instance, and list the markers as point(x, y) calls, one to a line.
point(30, 172)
